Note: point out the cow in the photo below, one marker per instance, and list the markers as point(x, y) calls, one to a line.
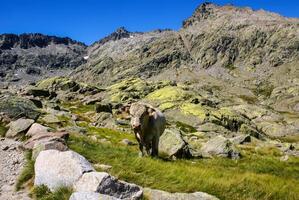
point(148, 124)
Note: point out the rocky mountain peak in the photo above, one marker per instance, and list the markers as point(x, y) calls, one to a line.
point(120, 33)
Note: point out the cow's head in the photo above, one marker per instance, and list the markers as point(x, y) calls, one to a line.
point(140, 115)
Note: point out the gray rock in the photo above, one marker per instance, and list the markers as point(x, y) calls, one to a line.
point(59, 169)
point(162, 195)
point(19, 126)
point(104, 183)
point(90, 196)
point(172, 145)
point(221, 147)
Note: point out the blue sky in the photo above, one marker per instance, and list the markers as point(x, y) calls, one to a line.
point(90, 20)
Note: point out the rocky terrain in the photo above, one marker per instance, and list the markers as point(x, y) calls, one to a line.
point(227, 82)
point(27, 58)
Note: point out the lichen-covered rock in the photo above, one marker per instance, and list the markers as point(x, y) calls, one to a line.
point(172, 145)
point(56, 169)
point(221, 147)
point(91, 196)
point(16, 107)
point(152, 194)
point(104, 183)
point(18, 127)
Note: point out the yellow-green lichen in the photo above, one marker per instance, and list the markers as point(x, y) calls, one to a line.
point(169, 93)
point(195, 109)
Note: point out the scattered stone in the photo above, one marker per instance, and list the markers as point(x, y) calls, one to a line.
point(172, 145)
point(221, 147)
point(104, 183)
point(56, 169)
point(152, 194)
point(19, 126)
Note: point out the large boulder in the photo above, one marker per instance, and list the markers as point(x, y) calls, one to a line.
point(221, 147)
point(162, 195)
point(15, 107)
point(18, 127)
point(104, 183)
point(56, 169)
point(91, 196)
point(172, 145)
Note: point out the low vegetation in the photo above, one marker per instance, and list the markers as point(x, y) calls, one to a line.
point(256, 176)
point(43, 193)
point(3, 130)
point(27, 171)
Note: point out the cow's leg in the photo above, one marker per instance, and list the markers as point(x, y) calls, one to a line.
point(155, 146)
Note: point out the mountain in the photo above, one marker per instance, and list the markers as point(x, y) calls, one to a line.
point(224, 42)
point(25, 56)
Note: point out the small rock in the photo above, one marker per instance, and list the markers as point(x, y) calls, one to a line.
point(220, 146)
point(284, 158)
point(104, 183)
point(127, 142)
point(103, 167)
point(5, 148)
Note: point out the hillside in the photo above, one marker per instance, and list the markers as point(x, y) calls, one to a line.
point(227, 83)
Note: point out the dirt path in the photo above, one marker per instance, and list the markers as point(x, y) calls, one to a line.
point(11, 163)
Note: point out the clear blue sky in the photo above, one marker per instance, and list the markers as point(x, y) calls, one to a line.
point(90, 20)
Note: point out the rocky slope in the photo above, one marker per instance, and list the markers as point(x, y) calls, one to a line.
point(224, 41)
point(27, 57)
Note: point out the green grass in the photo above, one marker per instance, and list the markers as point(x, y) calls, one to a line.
point(43, 193)
point(255, 176)
point(27, 171)
point(3, 130)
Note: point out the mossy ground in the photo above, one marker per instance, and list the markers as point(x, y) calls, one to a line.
point(257, 175)
point(3, 130)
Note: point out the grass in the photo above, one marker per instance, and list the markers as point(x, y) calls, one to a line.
point(43, 193)
point(27, 171)
point(256, 176)
point(3, 130)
